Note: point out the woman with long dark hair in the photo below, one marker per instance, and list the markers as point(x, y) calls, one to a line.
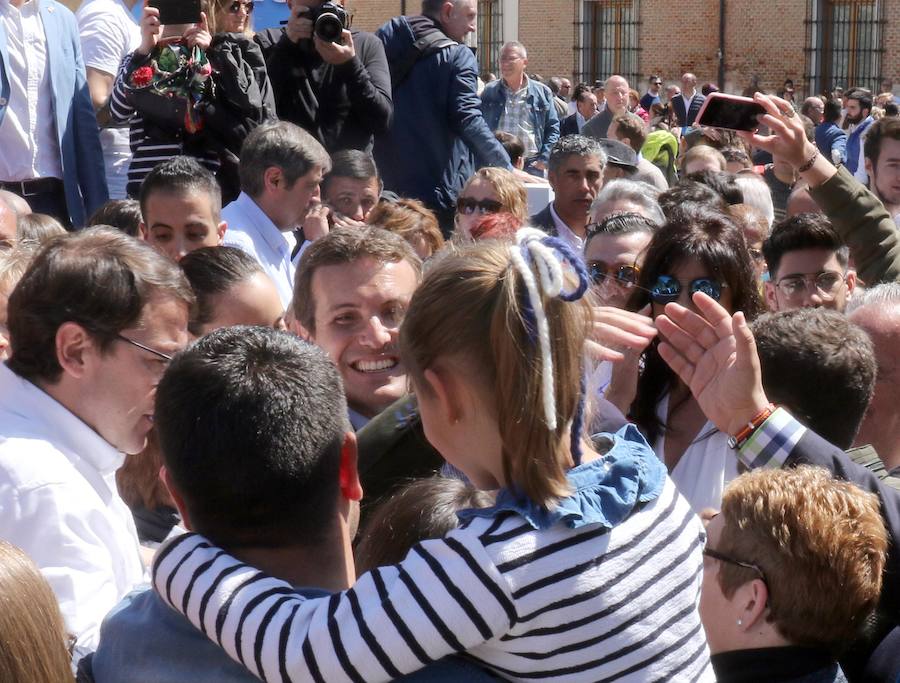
point(698, 249)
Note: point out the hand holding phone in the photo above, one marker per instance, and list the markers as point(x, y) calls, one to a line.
point(731, 112)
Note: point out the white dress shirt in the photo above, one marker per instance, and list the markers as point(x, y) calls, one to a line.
point(566, 234)
point(28, 144)
point(252, 231)
point(58, 502)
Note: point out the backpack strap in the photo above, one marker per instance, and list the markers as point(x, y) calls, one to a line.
point(426, 45)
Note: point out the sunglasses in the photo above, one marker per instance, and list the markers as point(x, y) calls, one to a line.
point(721, 557)
point(235, 7)
point(624, 275)
point(467, 206)
point(667, 289)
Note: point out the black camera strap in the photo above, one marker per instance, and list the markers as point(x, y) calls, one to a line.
point(426, 45)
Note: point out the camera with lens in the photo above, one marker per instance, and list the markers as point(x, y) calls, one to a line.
point(329, 20)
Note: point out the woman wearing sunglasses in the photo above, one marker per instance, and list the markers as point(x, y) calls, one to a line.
point(233, 16)
point(699, 249)
point(490, 190)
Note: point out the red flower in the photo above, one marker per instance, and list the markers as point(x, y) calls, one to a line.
point(142, 76)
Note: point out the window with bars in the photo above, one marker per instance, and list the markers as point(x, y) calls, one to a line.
point(607, 39)
point(844, 44)
point(490, 35)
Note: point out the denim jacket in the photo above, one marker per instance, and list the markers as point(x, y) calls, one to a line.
point(543, 113)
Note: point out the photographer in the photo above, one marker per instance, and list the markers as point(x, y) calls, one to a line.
point(335, 84)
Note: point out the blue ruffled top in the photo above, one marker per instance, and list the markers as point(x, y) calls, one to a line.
point(604, 491)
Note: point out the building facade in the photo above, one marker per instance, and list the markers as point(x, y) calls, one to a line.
point(738, 44)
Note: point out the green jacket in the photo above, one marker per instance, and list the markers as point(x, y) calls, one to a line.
point(864, 224)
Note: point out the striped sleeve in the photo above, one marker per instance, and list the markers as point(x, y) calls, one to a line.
point(120, 108)
point(771, 444)
point(445, 597)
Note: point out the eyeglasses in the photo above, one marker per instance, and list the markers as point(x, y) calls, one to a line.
point(235, 7)
point(625, 275)
point(159, 354)
point(667, 289)
point(716, 555)
point(467, 206)
point(826, 285)
point(755, 254)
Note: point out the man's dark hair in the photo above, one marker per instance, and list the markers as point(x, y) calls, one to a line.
point(887, 127)
point(251, 423)
point(99, 278)
point(819, 366)
point(124, 214)
point(283, 145)
point(351, 163)
point(579, 90)
point(512, 144)
point(181, 175)
point(803, 231)
point(620, 224)
point(574, 144)
point(832, 113)
point(432, 8)
point(863, 96)
point(345, 246)
point(891, 109)
point(688, 191)
point(722, 182)
point(213, 271)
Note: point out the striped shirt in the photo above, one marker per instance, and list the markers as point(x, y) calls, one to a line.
point(148, 149)
point(587, 604)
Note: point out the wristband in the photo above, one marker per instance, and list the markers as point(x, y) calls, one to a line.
point(739, 439)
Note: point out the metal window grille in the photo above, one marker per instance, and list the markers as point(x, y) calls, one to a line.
point(607, 39)
point(490, 35)
point(844, 44)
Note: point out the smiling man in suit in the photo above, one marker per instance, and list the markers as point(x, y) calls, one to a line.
point(48, 130)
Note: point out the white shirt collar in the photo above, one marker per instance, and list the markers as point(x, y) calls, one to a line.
point(47, 419)
point(565, 232)
point(276, 239)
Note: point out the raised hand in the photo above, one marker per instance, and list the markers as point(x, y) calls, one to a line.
point(715, 356)
point(150, 30)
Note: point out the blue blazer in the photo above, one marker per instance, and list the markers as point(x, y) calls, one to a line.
point(84, 174)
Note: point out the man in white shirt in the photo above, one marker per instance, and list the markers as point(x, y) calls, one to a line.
point(93, 324)
point(281, 168)
point(108, 33)
point(576, 176)
point(47, 123)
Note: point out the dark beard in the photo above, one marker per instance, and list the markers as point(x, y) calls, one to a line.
point(853, 120)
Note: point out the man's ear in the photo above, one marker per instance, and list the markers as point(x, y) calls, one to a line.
point(143, 231)
point(172, 488)
point(771, 298)
point(851, 279)
point(73, 348)
point(220, 231)
point(753, 600)
point(298, 329)
point(273, 178)
point(351, 489)
point(870, 169)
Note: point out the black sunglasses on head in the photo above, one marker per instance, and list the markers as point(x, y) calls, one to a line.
point(667, 289)
point(467, 206)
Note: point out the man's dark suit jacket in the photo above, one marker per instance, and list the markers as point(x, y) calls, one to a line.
point(569, 126)
point(544, 221)
point(687, 113)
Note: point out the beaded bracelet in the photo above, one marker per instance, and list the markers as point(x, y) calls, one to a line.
point(809, 164)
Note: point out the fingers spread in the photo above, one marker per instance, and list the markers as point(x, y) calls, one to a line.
point(679, 364)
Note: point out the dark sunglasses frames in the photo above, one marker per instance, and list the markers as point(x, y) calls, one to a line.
point(468, 206)
point(624, 275)
point(235, 7)
point(667, 289)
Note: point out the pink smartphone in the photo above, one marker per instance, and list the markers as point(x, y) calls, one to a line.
point(721, 110)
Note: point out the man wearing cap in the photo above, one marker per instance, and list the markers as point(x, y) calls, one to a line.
point(621, 160)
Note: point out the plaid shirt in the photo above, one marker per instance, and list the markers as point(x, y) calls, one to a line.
point(517, 118)
point(772, 443)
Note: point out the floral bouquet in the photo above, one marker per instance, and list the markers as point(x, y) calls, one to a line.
point(174, 87)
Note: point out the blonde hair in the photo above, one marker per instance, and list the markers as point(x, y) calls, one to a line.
point(812, 536)
point(510, 191)
point(410, 219)
point(13, 264)
point(32, 634)
point(490, 331)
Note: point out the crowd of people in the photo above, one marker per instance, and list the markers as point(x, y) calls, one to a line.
point(326, 358)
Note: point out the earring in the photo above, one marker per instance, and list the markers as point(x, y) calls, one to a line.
point(740, 622)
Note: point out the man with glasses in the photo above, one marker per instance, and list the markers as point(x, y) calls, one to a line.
point(93, 323)
point(613, 253)
point(652, 95)
point(808, 265)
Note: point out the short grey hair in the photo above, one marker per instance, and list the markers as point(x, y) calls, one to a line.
point(882, 296)
point(578, 145)
point(280, 144)
point(516, 44)
point(756, 193)
point(636, 192)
